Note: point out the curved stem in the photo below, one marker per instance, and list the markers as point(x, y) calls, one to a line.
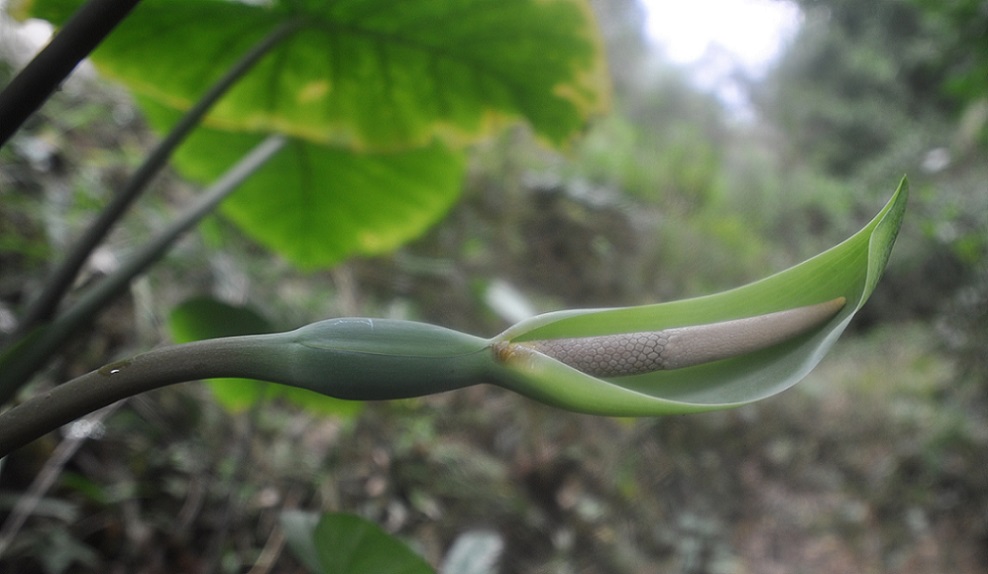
point(228, 357)
point(347, 358)
point(20, 364)
point(45, 306)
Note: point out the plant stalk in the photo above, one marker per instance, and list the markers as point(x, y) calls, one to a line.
point(347, 358)
point(77, 38)
point(228, 357)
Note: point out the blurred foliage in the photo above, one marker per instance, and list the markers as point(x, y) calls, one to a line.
point(867, 82)
point(874, 464)
point(870, 89)
point(962, 52)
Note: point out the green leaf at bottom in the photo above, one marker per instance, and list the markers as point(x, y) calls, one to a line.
point(337, 543)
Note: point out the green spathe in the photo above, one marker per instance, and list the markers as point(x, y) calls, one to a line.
point(383, 359)
point(850, 270)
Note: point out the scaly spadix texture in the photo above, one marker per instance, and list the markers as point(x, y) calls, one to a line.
point(680, 347)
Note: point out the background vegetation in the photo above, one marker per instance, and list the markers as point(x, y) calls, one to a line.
point(874, 464)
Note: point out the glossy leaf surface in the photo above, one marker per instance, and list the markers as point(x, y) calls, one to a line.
point(367, 74)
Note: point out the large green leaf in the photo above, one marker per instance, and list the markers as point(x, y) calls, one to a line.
point(316, 204)
point(206, 318)
point(337, 543)
point(850, 270)
point(368, 74)
point(392, 80)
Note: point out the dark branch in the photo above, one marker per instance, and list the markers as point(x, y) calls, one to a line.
point(35, 83)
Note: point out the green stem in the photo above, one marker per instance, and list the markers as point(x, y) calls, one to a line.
point(230, 357)
point(45, 306)
point(19, 363)
point(356, 359)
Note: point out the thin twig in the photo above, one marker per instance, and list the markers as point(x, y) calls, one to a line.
point(46, 478)
point(234, 482)
point(19, 366)
point(268, 557)
point(46, 305)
